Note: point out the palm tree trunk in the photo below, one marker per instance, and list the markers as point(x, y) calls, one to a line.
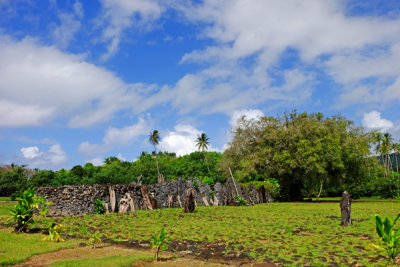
point(205, 159)
point(158, 170)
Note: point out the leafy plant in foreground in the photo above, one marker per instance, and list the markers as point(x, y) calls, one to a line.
point(54, 236)
point(22, 213)
point(95, 239)
point(389, 238)
point(99, 206)
point(239, 200)
point(159, 242)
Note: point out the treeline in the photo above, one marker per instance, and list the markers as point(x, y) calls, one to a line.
point(197, 164)
point(295, 155)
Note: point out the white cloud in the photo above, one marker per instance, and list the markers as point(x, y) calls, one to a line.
point(64, 33)
point(49, 159)
point(182, 140)
point(248, 113)
point(78, 9)
point(30, 152)
point(14, 114)
point(120, 157)
point(57, 84)
point(96, 161)
point(122, 14)
point(115, 137)
point(374, 120)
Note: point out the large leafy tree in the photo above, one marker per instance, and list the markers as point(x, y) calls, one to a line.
point(303, 151)
point(154, 139)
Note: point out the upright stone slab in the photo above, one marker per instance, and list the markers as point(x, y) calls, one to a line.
point(345, 206)
point(189, 201)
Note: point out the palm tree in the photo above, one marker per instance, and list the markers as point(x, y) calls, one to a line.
point(154, 139)
point(386, 148)
point(202, 144)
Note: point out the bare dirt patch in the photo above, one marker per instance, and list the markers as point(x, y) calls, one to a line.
point(75, 253)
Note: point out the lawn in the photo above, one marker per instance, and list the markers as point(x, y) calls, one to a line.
point(285, 233)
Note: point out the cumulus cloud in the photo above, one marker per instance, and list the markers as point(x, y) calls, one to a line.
point(182, 140)
point(49, 159)
point(115, 137)
point(374, 120)
point(64, 33)
point(64, 85)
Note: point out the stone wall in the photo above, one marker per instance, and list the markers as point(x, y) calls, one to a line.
point(75, 200)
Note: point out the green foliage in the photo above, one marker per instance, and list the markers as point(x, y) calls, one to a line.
point(54, 235)
point(390, 240)
point(271, 185)
point(212, 194)
point(95, 239)
point(22, 213)
point(99, 206)
point(303, 151)
point(194, 182)
point(207, 180)
point(159, 242)
point(239, 200)
point(16, 194)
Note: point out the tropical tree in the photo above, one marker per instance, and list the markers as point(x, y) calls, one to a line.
point(154, 139)
point(202, 143)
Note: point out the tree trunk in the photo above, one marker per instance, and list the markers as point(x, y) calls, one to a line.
point(158, 170)
point(320, 189)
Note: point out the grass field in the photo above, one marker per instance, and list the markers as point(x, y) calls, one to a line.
point(290, 234)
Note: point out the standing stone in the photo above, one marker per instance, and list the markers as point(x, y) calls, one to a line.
point(161, 178)
point(170, 201)
point(112, 198)
point(123, 205)
point(345, 206)
point(139, 180)
point(178, 197)
point(149, 202)
point(105, 204)
point(189, 201)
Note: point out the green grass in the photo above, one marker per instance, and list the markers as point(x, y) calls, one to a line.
point(287, 233)
point(15, 248)
point(5, 199)
point(330, 199)
point(105, 261)
point(5, 208)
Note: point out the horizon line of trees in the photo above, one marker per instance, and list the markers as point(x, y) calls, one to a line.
point(304, 154)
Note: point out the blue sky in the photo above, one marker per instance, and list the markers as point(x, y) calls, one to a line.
point(84, 80)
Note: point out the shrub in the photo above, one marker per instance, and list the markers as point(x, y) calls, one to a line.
point(239, 200)
point(15, 195)
point(95, 239)
point(99, 206)
point(194, 184)
point(207, 180)
point(54, 236)
point(271, 185)
point(212, 194)
point(22, 213)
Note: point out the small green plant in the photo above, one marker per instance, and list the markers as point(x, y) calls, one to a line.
point(95, 239)
point(390, 239)
point(194, 184)
point(99, 206)
point(159, 242)
point(22, 213)
point(212, 194)
point(54, 236)
point(15, 195)
point(239, 200)
point(207, 180)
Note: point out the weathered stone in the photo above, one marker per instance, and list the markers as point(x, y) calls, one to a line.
point(189, 201)
point(75, 200)
point(345, 206)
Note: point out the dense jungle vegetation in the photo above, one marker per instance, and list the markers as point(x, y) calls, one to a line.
point(303, 155)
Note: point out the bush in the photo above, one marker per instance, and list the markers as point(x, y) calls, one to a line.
point(239, 200)
point(207, 180)
point(15, 195)
point(22, 213)
point(99, 206)
point(271, 185)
